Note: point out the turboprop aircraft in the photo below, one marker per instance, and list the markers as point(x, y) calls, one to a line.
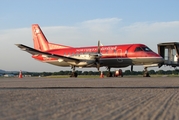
point(109, 56)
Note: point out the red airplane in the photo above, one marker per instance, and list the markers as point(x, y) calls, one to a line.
point(110, 56)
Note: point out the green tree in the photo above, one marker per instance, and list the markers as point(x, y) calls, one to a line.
point(175, 72)
point(152, 72)
point(160, 72)
point(85, 73)
point(168, 72)
point(61, 72)
point(127, 72)
point(90, 73)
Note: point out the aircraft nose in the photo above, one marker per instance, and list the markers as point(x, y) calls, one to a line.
point(157, 57)
point(160, 59)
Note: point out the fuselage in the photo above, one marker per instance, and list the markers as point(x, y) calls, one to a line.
point(111, 55)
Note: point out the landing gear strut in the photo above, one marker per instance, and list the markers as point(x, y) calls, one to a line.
point(145, 72)
point(73, 74)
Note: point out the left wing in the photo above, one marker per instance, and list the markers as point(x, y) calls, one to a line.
point(35, 52)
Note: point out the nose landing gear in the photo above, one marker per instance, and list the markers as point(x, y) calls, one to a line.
point(145, 72)
point(73, 74)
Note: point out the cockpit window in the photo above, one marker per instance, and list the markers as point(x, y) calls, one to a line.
point(138, 49)
point(146, 49)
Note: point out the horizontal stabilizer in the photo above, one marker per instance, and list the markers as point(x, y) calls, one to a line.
point(36, 52)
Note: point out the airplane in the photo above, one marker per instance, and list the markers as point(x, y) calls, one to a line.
point(109, 56)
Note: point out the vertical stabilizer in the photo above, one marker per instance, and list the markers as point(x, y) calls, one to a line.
point(40, 41)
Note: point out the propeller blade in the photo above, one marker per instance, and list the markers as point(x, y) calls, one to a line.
point(97, 59)
point(99, 47)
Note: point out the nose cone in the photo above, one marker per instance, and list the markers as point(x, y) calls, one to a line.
point(160, 59)
point(156, 57)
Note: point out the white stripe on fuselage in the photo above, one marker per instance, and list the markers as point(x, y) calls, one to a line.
point(117, 62)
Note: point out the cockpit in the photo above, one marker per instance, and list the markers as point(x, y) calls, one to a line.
point(144, 48)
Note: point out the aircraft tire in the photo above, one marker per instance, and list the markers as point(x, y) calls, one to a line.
point(120, 73)
point(146, 74)
point(109, 74)
point(73, 74)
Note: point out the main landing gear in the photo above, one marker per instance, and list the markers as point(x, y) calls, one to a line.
point(145, 72)
point(117, 73)
point(73, 74)
point(109, 73)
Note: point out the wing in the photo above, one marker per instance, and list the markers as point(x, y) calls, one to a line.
point(35, 52)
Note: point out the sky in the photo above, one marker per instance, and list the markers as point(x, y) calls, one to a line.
point(82, 23)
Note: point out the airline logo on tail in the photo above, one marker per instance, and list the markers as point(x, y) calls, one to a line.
point(40, 41)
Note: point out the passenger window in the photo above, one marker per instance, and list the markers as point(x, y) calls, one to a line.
point(106, 51)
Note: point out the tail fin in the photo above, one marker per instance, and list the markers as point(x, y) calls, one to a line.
point(40, 41)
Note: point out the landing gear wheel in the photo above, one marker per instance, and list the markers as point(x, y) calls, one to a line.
point(146, 73)
point(109, 74)
point(73, 74)
point(120, 73)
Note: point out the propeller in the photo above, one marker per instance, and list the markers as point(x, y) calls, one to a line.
point(98, 47)
point(98, 57)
